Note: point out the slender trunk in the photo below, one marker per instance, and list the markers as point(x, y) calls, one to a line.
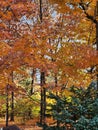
point(41, 107)
point(42, 80)
point(43, 99)
point(12, 106)
point(56, 81)
point(44, 113)
point(12, 100)
point(32, 84)
point(56, 84)
point(7, 104)
point(40, 2)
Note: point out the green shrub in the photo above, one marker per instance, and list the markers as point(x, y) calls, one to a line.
point(81, 112)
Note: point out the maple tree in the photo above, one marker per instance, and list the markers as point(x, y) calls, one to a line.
point(81, 32)
point(22, 50)
point(12, 33)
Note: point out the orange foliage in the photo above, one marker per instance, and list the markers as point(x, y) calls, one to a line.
point(61, 43)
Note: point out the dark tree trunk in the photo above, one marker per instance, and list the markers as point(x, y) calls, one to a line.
point(44, 113)
point(40, 2)
point(56, 81)
point(7, 104)
point(12, 99)
point(56, 84)
point(32, 84)
point(12, 107)
point(43, 99)
point(41, 107)
point(42, 82)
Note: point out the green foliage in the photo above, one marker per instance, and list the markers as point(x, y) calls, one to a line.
point(87, 124)
point(23, 108)
point(55, 128)
point(81, 112)
point(26, 108)
point(2, 105)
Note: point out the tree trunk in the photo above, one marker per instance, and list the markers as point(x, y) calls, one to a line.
point(12, 99)
point(12, 107)
point(7, 104)
point(56, 84)
point(44, 110)
point(42, 82)
point(32, 84)
point(40, 2)
point(43, 99)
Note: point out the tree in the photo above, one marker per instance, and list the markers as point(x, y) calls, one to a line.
point(75, 110)
point(81, 33)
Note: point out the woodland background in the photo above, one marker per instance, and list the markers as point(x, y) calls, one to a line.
point(49, 63)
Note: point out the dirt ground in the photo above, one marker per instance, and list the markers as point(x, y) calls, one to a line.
point(27, 125)
point(31, 128)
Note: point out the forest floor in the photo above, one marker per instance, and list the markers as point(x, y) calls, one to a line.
point(25, 125)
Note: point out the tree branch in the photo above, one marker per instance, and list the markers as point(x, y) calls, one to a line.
point(84, 7)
